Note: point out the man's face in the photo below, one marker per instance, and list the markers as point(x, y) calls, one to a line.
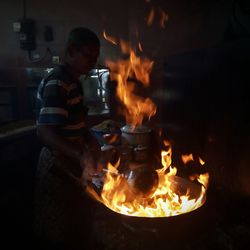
point(85, 58)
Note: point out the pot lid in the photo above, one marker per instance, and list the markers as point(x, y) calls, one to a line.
point(136, 130)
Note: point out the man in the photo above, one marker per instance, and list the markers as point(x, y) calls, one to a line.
point(61, 211)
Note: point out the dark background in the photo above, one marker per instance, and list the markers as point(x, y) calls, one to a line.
point(199, 83)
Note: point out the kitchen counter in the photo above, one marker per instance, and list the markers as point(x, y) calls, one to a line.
point(16, 128)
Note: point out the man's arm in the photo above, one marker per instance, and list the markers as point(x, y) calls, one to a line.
point(49, 135)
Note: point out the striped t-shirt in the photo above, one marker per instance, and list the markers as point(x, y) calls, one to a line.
point(60, 102)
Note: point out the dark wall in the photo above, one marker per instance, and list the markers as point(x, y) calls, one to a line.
point(61, 16)
point(191, 24)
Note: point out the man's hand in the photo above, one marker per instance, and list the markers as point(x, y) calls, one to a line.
point(91, 163)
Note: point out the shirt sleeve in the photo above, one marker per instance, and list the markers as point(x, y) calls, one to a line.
point(53, 104)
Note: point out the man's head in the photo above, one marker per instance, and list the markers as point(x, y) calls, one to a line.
point(82, 50)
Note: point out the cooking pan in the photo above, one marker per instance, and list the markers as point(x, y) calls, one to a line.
point(166, 229)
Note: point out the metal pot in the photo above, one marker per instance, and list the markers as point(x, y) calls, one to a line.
point(141, 153)
point(142, 180)
point(140, 135)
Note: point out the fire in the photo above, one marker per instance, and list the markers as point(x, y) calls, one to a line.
point(109, 38)
point(187, 158)
point(128, 72)
point(140, 47)
point(164, 18)
point(166, 157)
point(151, 16)
point(173, 196)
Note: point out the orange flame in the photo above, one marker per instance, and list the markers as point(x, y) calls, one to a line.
point(140, 47)
point(109, 38)
point(187, 158)
point(201, 161)
point(173, 196)
point(163, 18)
point(136, 108)
point(151, 17)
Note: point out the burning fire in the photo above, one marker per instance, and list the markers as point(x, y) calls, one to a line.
point(173, 196)
point(126, 73)
point(164, 18)
point(151, 16)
